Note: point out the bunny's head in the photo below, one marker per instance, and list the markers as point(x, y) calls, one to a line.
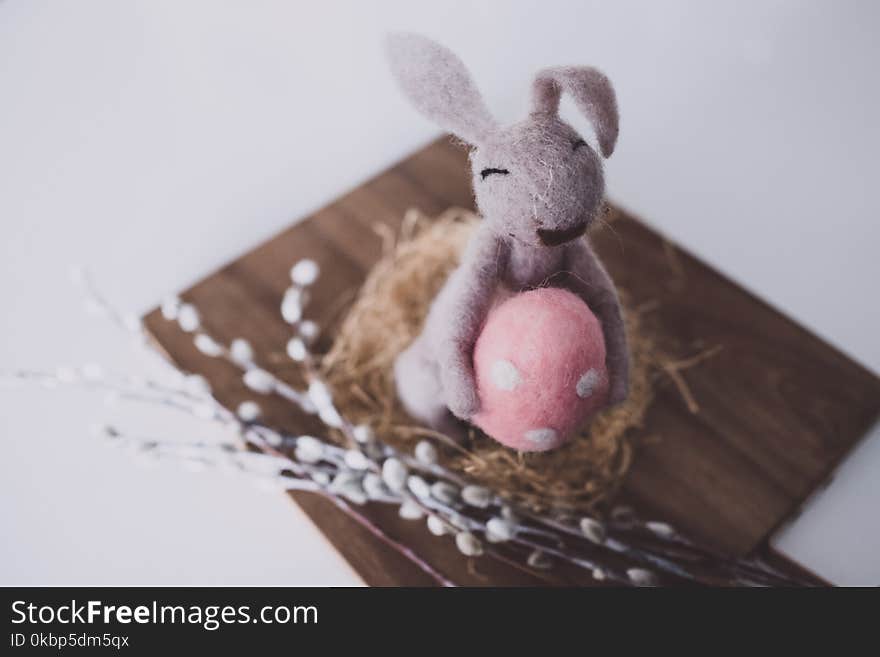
point(536, 181)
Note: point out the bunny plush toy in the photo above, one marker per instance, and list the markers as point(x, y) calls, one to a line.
point(538, 187)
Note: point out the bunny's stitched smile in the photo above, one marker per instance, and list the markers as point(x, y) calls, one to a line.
point(557, 237)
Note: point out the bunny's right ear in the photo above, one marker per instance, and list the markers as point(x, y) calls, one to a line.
point(592, 93)
point(436, 81)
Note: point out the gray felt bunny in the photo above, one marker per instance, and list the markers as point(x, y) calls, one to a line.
point(538, 186)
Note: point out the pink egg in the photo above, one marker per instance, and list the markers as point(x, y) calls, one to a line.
point(540, 369)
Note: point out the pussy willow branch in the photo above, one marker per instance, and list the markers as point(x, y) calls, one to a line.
point(265, 450)
point(152, 392)
point(370, 526)
point(449, 514)
point(663, 559)
point(456, 508)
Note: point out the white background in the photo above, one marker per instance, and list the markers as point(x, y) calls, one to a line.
point(154, 141)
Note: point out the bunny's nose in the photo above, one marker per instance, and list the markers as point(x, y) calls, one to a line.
point(557, 237)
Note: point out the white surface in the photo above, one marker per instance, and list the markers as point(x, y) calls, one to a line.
point(838, 535)
point(154, 141)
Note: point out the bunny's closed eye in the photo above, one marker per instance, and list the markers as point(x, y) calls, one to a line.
point(488, 172)
point(577, 144)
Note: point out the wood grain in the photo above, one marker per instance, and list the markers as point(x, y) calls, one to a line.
point(778, 407)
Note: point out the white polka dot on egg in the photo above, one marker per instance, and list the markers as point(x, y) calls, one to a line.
point(543, 436)
point(505, 375)
point(587, 383)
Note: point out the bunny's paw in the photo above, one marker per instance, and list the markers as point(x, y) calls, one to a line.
point(461, 395)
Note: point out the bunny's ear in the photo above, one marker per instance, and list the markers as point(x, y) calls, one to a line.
point(438, 84)
point(592, 93)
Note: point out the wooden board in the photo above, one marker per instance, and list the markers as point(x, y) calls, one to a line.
point(778, 407)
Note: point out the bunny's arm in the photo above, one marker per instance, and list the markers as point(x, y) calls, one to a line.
point(588, 279)
point(458, 314)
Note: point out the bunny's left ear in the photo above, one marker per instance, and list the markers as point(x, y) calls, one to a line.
point(592, 93)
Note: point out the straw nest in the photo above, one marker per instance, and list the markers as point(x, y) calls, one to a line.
point(388, 314)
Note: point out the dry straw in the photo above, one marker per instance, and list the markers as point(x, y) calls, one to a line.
point(388, 314)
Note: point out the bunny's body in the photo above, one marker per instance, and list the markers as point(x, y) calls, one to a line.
point(538, 186)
